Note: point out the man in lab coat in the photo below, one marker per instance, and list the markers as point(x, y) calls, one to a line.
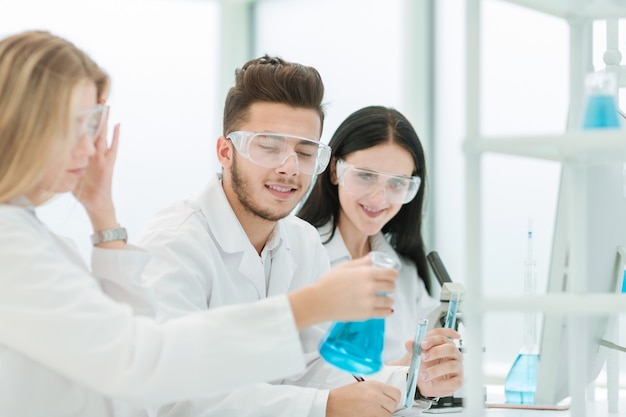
point(236, 242)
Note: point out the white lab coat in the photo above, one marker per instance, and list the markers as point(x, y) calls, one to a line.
point(67, 348)
point(411, 300)
point(203, 259)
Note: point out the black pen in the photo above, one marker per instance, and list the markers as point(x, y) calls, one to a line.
point(358, 378)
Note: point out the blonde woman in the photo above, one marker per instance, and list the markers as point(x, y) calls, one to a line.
point(70, 342)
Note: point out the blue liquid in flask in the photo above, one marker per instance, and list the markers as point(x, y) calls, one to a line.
point(521, 381)
point(601, 112)
point(355, 346)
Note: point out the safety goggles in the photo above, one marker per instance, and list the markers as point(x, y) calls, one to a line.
point(361, 182)
point(89, 122)
point(272, 150)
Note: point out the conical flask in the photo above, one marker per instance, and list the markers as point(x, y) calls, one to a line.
point(600, 103)
point(521, 381)
point(357, 346)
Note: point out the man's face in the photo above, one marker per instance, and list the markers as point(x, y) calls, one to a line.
point(268, 193)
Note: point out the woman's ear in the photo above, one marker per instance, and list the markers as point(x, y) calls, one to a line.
point(333, 171)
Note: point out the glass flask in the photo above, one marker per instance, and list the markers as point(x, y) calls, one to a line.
point(600, 101)
point(357, 346)
point(521, 381)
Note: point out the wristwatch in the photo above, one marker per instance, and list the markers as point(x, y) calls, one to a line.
point(109, 235)
point(422, 401)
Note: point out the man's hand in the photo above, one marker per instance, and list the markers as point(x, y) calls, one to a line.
point(363, 399)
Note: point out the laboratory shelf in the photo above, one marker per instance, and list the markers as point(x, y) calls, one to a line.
point(574, 9)
point(573, 149)
point(584, 146)
point(594, 304)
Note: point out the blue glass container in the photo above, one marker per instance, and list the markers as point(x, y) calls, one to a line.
point(601, 106)
point(521, 381)
point(357, 346)
point(601, 113)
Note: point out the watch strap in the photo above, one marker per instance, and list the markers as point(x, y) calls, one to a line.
point(109, 235)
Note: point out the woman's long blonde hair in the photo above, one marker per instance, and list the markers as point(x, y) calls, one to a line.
point(39, 73)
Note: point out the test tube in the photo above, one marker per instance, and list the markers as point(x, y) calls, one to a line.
point(416, 359)
point(453, 305)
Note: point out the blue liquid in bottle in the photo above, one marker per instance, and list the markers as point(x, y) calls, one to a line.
point(521, 381)
point(601, 112)
point(355, 346)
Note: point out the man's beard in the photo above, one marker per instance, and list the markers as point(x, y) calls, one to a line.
point(242, 189)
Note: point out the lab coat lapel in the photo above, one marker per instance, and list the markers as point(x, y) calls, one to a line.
point(336, 248)
point(230, 236)
point(283, 265)
point(251, 267)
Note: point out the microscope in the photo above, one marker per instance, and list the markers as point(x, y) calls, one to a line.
point(450, 292)
point(437, 317)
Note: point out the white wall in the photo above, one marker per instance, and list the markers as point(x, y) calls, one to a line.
point(354, 44)
point(161, 56)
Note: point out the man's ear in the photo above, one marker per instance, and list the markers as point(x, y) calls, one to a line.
point(333, 171)
point(225, 151)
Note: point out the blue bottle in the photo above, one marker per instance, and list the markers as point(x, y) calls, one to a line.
point(357, 346)
point(601, 108)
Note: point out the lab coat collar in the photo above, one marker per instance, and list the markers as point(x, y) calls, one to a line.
point(283, 263)
point(230, 236)
point(23, 202)
point(225, 226)
point(338, 252)
point(336, 248)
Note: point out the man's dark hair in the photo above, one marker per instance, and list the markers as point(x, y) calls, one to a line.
point(273, 80)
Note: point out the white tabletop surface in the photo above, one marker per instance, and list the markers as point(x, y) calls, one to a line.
point(596, 408)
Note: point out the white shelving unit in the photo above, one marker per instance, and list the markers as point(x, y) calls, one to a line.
point(575, 150)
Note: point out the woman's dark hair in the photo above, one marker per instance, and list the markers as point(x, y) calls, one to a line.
point(363, 129)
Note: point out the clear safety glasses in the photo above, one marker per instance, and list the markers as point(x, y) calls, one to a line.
point(89, 122)
point(361, 182)
point(272, 150)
